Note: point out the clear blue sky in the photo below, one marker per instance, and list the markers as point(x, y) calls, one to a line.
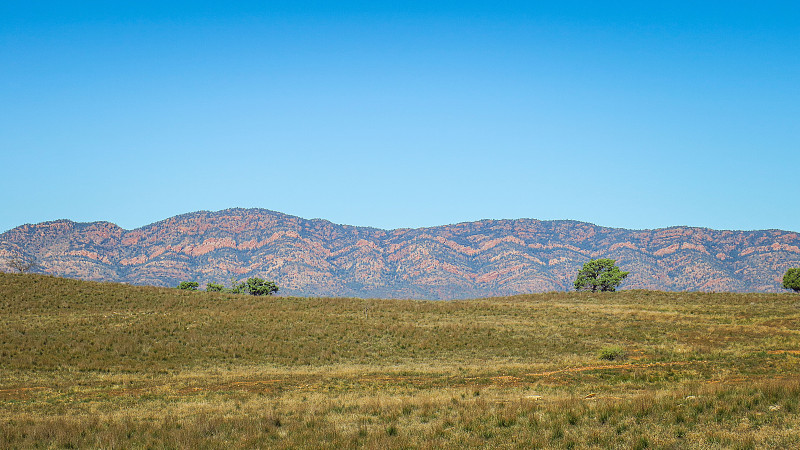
point(402, 114)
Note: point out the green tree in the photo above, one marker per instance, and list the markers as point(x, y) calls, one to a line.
point(236, 288)
point(214, 287)
point(258, 286)
point(599, 274)
point(791, 280)
point(253, 286)
point(188, 285)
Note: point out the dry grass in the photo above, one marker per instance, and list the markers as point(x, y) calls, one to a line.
point(114, 366)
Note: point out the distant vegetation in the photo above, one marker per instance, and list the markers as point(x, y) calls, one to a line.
point(256, 286)
point(599, 275)
point(21, 263)
point(98, 365)
point(215, 287)
point(791, 280)
point(188, 285)
point(253, 286)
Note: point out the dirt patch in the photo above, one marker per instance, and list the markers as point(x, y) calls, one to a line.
point(506, 380)
point(613, 366)
point(19, 393)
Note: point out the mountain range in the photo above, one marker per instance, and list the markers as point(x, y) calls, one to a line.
point(472, 259)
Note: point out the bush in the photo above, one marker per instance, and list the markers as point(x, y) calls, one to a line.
point(612, 353)
point(214, 287)
point(253, 286)
point(188, 285)
point(256, 286)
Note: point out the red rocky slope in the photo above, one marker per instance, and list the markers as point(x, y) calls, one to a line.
point(485, 258)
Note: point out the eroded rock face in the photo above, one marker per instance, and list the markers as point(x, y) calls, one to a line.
point(485, 258)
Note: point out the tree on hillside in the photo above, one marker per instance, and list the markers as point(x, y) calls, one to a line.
point(791, 280)
point(214, 287)
point(22, 263)
point(599, 274)
point(256, 286)
point(188, 285)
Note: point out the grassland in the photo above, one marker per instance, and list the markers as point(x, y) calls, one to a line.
point(92, 365)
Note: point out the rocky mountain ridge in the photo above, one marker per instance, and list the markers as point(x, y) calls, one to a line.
point(471, 259)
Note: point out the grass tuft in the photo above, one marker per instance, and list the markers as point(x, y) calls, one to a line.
point(612, 353)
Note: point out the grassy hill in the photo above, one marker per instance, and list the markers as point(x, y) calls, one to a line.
point(86, 364)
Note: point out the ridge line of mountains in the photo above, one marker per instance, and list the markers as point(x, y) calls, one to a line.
point(473, 259)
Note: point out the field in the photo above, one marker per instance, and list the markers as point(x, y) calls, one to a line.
point(93, 365)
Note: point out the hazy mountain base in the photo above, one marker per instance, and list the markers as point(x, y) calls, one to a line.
point(466, 260)
point(113, 366)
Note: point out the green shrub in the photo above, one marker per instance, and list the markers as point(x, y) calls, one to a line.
point(188, 285)
point(254, 286)
point(612, 353)
point(214, 287)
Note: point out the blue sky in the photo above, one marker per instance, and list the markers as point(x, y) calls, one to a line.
point(402, 114)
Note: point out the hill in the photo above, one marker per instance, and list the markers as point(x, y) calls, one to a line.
point(474, 259)
point(101, 365)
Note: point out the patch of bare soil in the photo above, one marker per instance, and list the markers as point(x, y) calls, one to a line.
point(613, 366)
